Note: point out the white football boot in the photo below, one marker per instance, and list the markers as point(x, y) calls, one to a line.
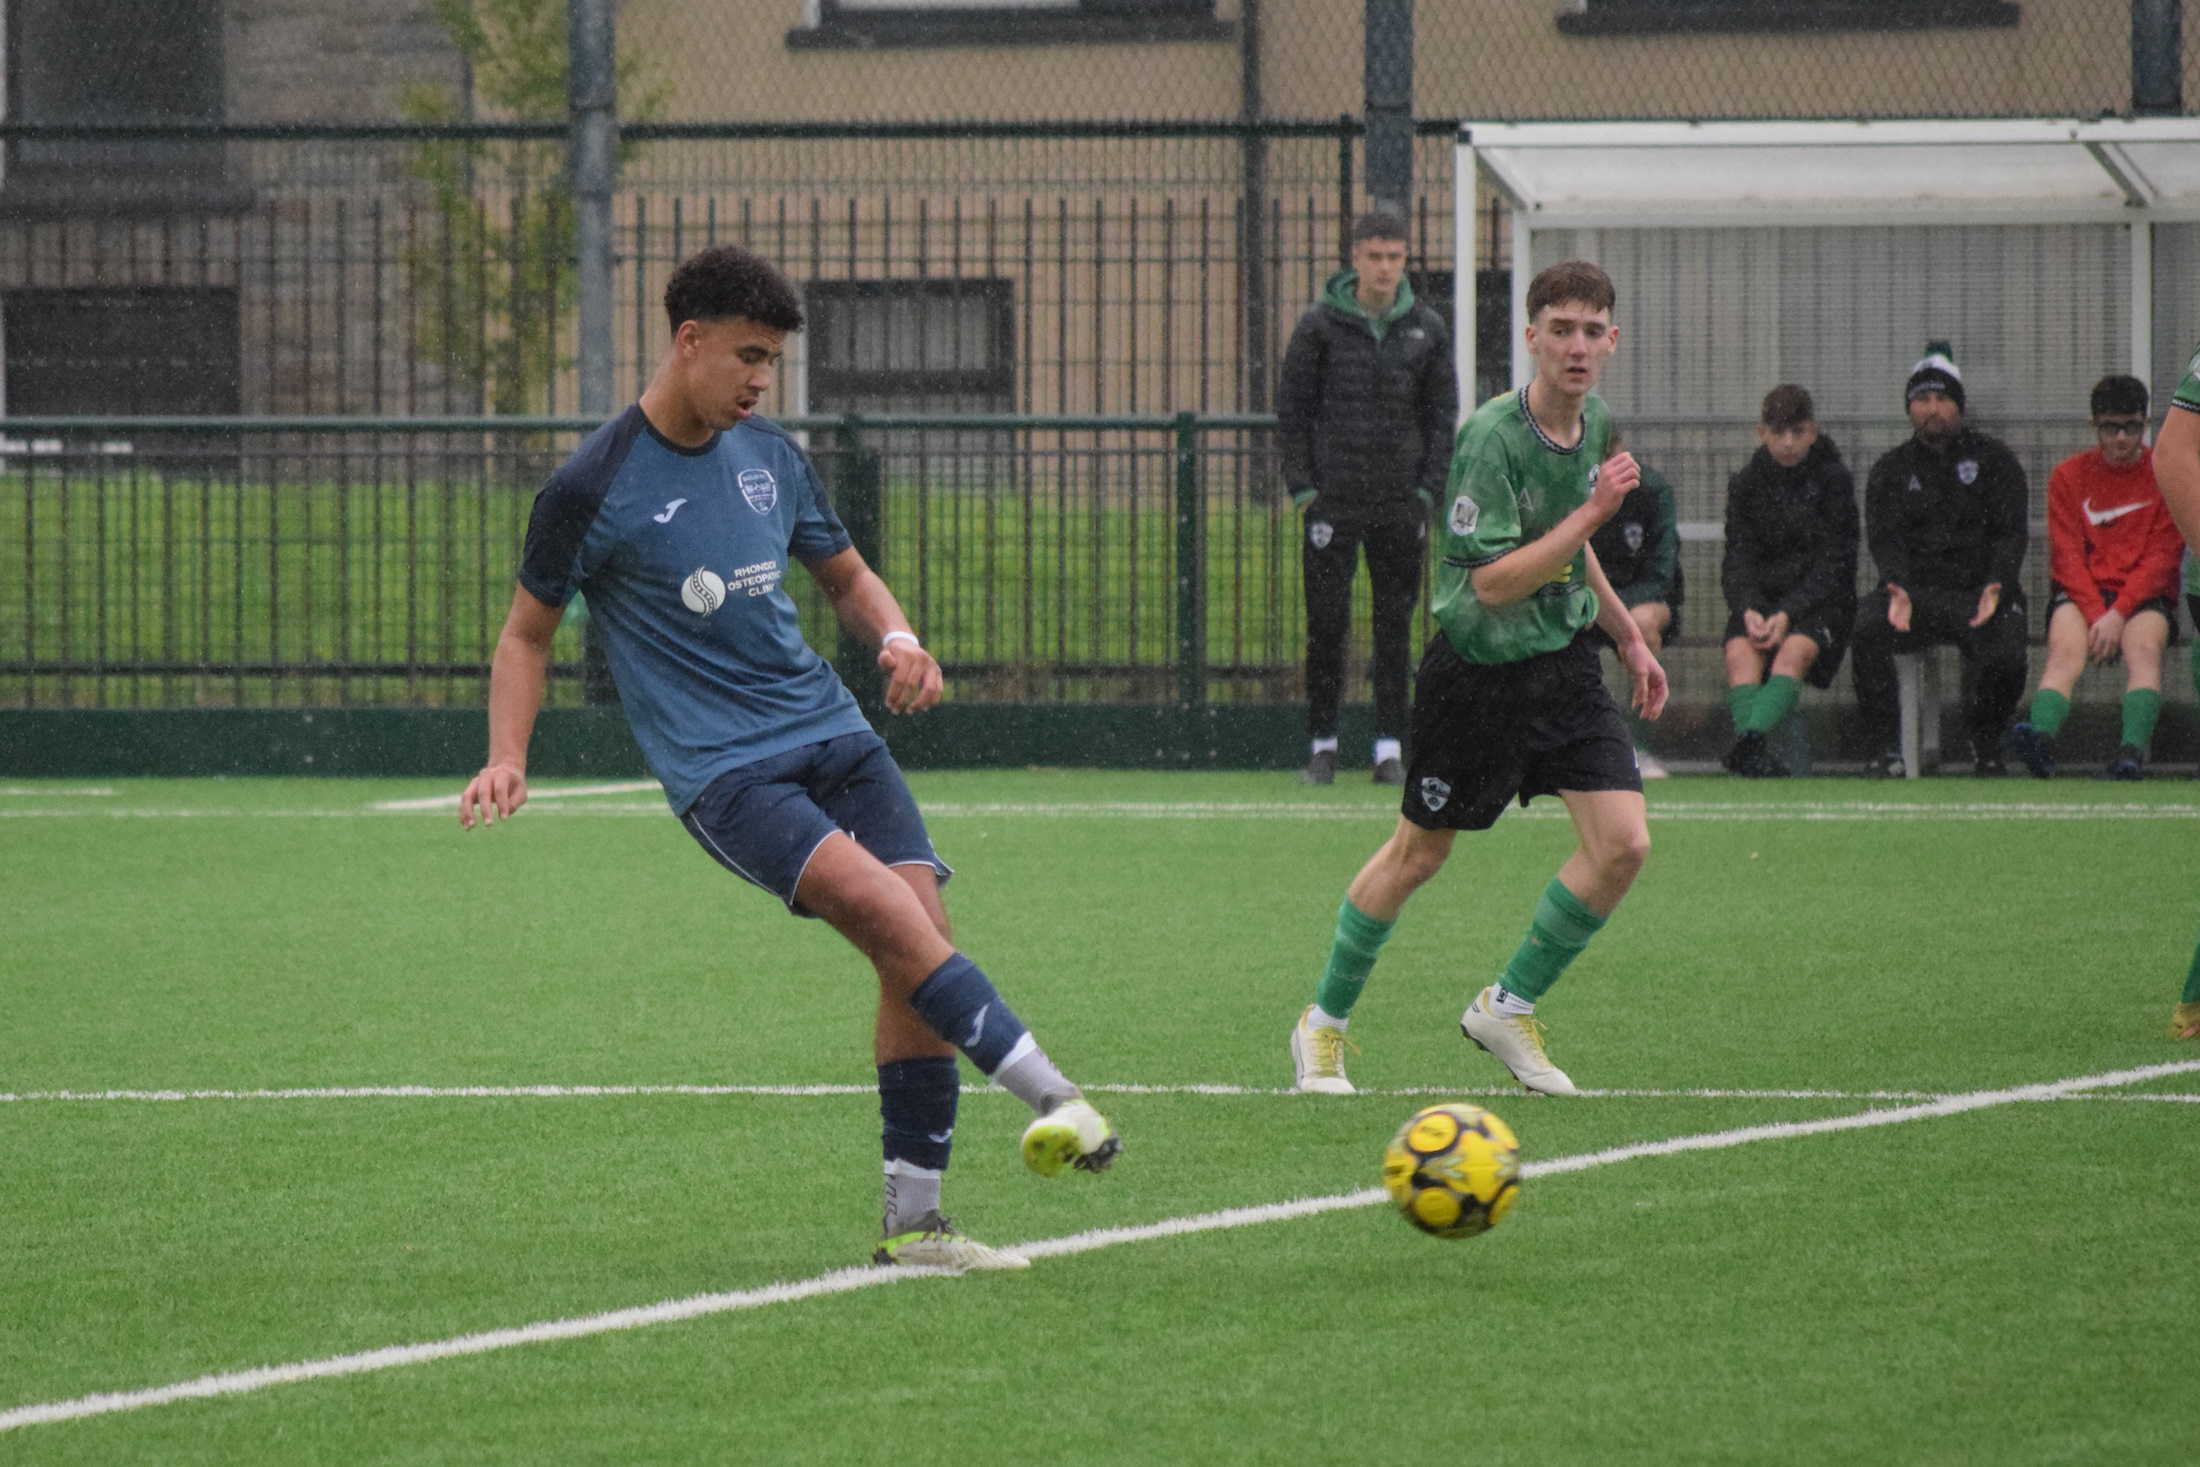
point(1518, 1044)
point(1318, 1055)
point(935, 1242)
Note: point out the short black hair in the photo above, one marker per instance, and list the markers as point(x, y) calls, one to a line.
point(1787, 406)
point(2119, 396)
point(1381, 224)
point(726, 281)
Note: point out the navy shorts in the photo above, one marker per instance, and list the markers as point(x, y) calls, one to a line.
point(765, 820)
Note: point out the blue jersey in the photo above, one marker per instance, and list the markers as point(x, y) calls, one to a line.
point(681, 553)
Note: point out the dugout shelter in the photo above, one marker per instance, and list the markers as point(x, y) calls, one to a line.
point(2049, 251)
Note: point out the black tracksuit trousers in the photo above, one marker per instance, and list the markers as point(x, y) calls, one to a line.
point(1994, 667)
point(1396, 544)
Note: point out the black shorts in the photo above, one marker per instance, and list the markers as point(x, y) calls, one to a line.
point(1485, 732)
point(2167, 605)
point(1828, 626)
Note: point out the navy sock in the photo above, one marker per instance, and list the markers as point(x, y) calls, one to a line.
point(960, 1005)
point(916, 1103)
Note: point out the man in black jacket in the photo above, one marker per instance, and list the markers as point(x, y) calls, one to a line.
point(1789, 573)
point(1946, 514)
point(1366, 417)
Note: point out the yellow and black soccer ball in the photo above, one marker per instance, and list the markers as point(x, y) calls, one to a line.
point(1453, 1170)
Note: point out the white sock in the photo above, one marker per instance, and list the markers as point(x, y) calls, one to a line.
point(1507, 1003)
point(911, 1192)
point(1031, 1077)
point(1325, 746)
point(1389, 749)
point(1321, 1018)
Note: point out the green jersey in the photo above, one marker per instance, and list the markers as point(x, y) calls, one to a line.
point(1511, 485)
point(2187, 395)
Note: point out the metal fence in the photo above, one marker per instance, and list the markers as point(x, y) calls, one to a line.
point(369, 563)
point(330, 562)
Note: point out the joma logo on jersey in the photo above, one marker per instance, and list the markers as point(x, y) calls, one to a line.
point(760, 489)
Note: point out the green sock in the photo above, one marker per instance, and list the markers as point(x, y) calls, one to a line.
point(1742, 697)
point(2141, 707)
point(1351, 958)
point(2049, 709)
point(2192, 978)
point(1775, 701)
point(1561, 929)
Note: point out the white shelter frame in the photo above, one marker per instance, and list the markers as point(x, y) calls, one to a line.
point(1637, 175)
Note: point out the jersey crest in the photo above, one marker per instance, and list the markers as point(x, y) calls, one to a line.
point(760, 489)
point(1465, 515)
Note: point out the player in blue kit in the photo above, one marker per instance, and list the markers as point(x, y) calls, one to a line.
point(677, 520)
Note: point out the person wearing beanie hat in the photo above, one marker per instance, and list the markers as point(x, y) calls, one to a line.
point(1946, 517)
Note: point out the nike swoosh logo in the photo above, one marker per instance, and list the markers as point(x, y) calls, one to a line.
point(977, 1030)
point(670, 510)
point(2103, 516)
point(939, 1138)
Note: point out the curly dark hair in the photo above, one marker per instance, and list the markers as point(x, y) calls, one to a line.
point(1787, 406)
point(725, 281)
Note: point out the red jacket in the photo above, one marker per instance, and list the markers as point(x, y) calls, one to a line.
point(2110, 535)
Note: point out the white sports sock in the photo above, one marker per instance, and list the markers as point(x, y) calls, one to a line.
point(1507, 1003)
point(911, 1192)
point(1325, 746)
point(1321, 1018)
point(1032, 1078)
point(1389, 749)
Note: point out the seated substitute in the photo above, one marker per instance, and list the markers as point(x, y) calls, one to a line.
point(677, 519)
point(1640, 550)
point(1789, 573)
point(1510, 701)
point(1946, 515)
point(2112, 551)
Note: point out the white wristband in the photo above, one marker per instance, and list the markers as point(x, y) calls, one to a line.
point(909, 637)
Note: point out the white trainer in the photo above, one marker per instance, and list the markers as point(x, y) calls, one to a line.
point(935, 1242)
point(1518, 1044)
point(1318, 1055)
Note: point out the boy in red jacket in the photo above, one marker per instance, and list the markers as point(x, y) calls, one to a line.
point(2113, 553)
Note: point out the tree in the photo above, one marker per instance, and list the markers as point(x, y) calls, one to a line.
point(492, 280)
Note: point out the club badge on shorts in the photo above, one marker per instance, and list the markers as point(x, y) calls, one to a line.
point(1318, 534)
point(1633, 536)
point(760, 489)
point(1967, 471)
point(1434, 793)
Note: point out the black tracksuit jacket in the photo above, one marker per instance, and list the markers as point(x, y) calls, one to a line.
point(1949, 521)
point(1366, 423)
point(1791, 539)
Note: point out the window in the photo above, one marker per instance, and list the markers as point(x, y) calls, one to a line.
point(911, 346)
point(114, 62)
point(122, 350)
point(1640, 17)
point(852, 24)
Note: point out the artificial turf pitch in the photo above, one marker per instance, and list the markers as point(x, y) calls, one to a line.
point(2016, 1284)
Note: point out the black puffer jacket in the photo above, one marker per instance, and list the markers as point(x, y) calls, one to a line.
point(1367, 423)
point(1791, 538)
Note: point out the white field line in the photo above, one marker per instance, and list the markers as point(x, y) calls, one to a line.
point(1805, 811)
point(565, 792)
point(21, 790)
point(844, 1280)
point(584, 1092)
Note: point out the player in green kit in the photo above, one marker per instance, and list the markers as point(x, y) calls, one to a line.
point(1510, 700)
point(2177, 470)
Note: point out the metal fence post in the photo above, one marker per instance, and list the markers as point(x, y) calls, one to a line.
point(1388, 69)
point(857, 489)
point(1191, 575)
point(592, 104)
point(2157, 56)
